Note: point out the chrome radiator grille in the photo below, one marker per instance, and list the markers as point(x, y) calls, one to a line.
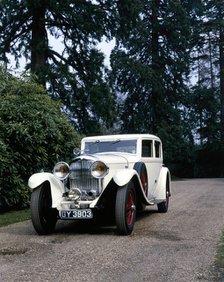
point(80, 177)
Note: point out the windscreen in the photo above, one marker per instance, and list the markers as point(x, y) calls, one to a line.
point(122, 146)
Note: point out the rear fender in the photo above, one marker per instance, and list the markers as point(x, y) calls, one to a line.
point(163, 185)
point(57, 187)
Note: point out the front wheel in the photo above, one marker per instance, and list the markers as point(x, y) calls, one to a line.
point(125, 209)
point(43, 216)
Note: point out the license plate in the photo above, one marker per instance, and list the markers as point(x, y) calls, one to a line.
point(76, 214)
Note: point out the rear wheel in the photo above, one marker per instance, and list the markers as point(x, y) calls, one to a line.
point(125, 209)
point(163, 207)
point(43, 216)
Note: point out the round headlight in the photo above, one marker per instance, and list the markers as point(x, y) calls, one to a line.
point(99, 169)
point(61, 170)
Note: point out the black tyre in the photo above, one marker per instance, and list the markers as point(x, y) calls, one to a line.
point(163, 207)
point(125, 209)
point(43, 216)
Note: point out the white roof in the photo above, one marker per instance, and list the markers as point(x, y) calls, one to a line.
point(121, 136)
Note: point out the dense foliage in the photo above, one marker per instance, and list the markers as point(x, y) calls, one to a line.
point(149, 68)
point(74, 69)
point(34, 134)
point(166, 75)
point(168, 72)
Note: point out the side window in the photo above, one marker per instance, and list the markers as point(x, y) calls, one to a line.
point(158, 149)
point(146, 148)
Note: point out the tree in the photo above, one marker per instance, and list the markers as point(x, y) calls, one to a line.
point(34, 134)
point(203, 107)
point(76, 75)
point(150, 69)
point(207, 96)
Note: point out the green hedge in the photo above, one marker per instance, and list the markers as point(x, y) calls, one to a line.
point(34, 134)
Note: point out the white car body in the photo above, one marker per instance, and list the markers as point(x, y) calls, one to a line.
point(130, 154)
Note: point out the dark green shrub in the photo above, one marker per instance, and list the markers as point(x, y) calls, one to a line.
point(34, 134)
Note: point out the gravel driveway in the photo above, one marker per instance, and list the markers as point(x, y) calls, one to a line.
point(177, 246)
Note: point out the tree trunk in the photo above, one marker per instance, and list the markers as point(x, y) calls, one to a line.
point(155, 66)
point(39, 42)
point(221, 64)
point(221, 60)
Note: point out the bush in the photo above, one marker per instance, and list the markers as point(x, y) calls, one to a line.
point(34, 134)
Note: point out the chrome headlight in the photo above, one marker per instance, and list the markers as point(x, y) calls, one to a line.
point(99, 169)
point(61, 170)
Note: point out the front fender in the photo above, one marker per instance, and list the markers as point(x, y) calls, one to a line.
point(122, 177)
point(57, 187)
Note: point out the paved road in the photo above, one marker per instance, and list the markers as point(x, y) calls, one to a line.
point(177, 246)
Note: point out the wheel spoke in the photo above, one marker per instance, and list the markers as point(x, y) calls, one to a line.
point(130, 208)
point(144, 182)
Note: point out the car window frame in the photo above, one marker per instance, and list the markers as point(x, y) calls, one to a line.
point(154, 150)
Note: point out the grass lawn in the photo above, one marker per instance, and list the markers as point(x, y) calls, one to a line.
point(14, 216)
point(220, 253)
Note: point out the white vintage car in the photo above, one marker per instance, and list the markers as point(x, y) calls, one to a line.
point(114, 176)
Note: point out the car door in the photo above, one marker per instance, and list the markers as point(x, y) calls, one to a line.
point(152, 157)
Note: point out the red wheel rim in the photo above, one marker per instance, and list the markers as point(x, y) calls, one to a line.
point(130, 208)
point(144, 182)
